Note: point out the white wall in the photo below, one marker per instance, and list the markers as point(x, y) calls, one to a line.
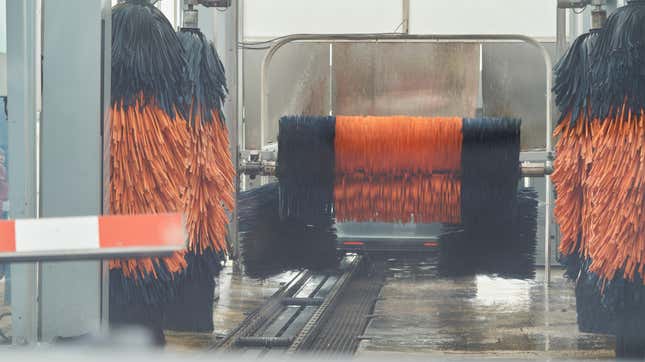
point(265, 19)
point(535, 18)
point(3, 47)
point(168, 7)
point(271, 18)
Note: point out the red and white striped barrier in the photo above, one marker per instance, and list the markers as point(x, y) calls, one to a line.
point(91, 237)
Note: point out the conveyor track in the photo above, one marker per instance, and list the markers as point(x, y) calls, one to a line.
point(302, 315)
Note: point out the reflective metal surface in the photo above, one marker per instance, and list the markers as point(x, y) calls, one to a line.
point(299, 83)
point(513, 83)
point(413, 79)
point(513, 80)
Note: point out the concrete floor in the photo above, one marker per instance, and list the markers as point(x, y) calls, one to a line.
point(479, 316)
point(423, 314)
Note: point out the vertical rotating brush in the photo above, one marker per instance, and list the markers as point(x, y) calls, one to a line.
point(572, 89)
point(600, 177)
point(148, 138)
point(210, 186)
point(289, 225)
point(306, 167)
point(497, 230)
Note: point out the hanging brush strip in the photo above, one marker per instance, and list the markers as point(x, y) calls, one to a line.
point(573, 80)
point(397, 145)
point(210, 191)
point(619, 72)
point(207, 77)
point(617, 192)
point(401, 199)
point(305, 168)
point(490, 172)
point(575, 154)
point(147, 58)
point(147, 175)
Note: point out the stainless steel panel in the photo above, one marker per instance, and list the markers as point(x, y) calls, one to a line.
point(299, 82)
point(428, 79)
point(513, 85)
point(418, 79)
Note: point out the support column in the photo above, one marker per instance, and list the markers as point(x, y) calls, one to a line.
point(229, 30)
point(23, 68)
point(74, 111)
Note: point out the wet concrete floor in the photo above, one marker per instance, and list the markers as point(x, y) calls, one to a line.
point(422, 313)
point(237, 296)
point(425, 314)
point(476, 316)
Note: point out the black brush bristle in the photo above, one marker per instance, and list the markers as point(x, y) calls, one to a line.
point(609, 307)
point(619, 73)
point(207, 77)
point(146, 289)
point(271, 245)
point(507, 252)
point(573, 79)
point(490, 173)
point(147, 57)
point(306, 166)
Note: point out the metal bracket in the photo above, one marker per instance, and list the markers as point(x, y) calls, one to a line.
point(255, 163)
point(598, 11)
point(573, 4)
point(191, 15)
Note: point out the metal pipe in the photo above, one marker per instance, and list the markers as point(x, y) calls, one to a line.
point(561, 32)
point(572, 4)
point(235, 26)
point(480, 38)
point(406, 17)
point(268, 168)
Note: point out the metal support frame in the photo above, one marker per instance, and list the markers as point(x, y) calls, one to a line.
point(43, 293)
point(23, 73)
point(405, 16)
point(561, 33)
point(229, 30)
point(382, 38)
point(72, 155)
